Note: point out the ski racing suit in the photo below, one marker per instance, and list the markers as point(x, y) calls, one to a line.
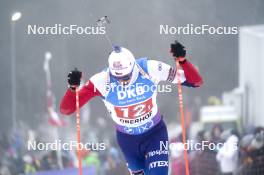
point(139, 125)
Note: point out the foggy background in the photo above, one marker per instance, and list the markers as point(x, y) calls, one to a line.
point(135, 25)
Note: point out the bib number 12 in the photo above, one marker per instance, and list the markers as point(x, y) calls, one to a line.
point(134, 111)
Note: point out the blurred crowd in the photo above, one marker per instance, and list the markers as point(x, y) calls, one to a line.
point(246, 159)
point(240, 153)
point(15, 160)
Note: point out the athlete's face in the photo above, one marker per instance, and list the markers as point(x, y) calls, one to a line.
point(125, 79)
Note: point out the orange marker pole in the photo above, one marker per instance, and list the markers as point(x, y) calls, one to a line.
point(78, 131)
point(182, 118)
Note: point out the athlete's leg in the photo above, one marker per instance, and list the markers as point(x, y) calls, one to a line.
point(157, 158)
point(130, 148)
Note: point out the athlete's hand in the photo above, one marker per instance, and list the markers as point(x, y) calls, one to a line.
point(74, 78)
point(178, 51)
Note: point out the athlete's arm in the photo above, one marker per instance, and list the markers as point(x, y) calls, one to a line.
point(193, 78)
point(160, 71)
point(68, 102)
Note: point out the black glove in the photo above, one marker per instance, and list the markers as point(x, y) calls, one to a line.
point(178, 50)
point(74, 78)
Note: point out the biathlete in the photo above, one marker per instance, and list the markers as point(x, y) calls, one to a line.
point(128, 88)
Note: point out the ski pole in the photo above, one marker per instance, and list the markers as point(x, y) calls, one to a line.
point(78, 131)
point(182, 117)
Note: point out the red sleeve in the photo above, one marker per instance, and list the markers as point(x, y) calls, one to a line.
point(192, 75)
point(68, 106)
